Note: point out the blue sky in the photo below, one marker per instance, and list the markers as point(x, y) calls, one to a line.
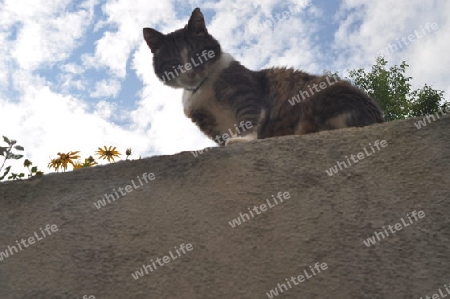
point(76, 75)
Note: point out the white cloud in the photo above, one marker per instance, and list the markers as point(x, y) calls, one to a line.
point(106, 88)
point(12, 11)
point(46, 33)
point(72, 68)
point(115, 47)
point(382, 22)
point(105, 109)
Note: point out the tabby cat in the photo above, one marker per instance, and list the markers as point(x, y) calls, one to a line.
point(222, 96)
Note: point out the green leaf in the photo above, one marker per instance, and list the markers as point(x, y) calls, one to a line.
point(14, 176)
point(34, 169)
point(19, 148)
point(6, 140)
point(17, 157)
point(5, 173)
point(392, 90)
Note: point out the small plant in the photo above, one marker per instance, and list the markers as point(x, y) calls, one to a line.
point(33, 171)
point(128, 153)
point(7, 153)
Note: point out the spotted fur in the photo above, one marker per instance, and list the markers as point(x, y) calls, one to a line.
point(220, 93)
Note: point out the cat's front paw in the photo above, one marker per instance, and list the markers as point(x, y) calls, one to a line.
point(240, 139)
point(235, 140)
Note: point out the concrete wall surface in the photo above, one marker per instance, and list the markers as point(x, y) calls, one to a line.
point(170, 235)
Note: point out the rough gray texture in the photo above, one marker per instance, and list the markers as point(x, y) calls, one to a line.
point(192, 200)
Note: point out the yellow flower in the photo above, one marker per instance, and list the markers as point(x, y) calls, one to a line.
point(77, 165)
point(67, 158)
point(63, 160)
point(107, 153)
point(88, 162)
point(54, 163)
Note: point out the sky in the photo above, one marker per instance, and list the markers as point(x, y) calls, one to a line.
point(77, 75)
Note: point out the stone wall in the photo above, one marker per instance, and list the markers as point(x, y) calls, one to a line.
point(327, 219)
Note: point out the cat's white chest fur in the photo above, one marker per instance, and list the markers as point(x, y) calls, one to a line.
point(204, 98)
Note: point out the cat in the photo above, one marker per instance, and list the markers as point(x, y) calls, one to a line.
point(222, 96)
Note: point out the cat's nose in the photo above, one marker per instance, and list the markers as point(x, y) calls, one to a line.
point(191, 75)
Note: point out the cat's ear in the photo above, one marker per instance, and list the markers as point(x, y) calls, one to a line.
point(196, 25)
point(153, 38)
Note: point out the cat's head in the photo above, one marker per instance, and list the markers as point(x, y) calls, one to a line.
point(186, 57)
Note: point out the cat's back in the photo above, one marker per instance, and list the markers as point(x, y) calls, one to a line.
point(283, 83)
